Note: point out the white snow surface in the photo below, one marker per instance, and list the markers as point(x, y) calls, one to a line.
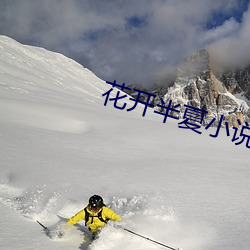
point(60, 145)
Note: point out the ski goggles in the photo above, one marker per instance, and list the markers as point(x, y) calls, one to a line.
point(94, 208)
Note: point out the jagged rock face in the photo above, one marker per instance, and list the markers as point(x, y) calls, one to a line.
point(237, 81)
point(197, 64)
point(196, 85)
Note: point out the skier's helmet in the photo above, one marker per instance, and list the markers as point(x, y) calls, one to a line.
point(95, 202)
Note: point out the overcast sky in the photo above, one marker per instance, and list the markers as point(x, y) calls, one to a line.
point(131, 41)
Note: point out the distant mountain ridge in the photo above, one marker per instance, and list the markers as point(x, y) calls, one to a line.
point(237, 81)
point(199, 86)
point(197, 82)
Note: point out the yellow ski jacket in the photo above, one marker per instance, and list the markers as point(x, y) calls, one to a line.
point(94, 223)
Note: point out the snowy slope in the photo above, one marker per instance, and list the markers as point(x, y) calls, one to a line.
point(60, 144)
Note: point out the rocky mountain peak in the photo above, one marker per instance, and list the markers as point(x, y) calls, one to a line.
point(198, 86)
point(237, 81)
point(194, 65)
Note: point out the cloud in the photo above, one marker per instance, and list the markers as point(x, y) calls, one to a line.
point(131, 41)
point(228, 28)
point(233, 49)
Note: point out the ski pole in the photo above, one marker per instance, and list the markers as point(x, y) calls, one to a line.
point(45, 228)
point(146, 238)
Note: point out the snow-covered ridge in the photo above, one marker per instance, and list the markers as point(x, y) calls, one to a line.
point(34, 66)
point(38, 76)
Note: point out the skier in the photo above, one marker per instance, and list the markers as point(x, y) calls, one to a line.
point(95, 214)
